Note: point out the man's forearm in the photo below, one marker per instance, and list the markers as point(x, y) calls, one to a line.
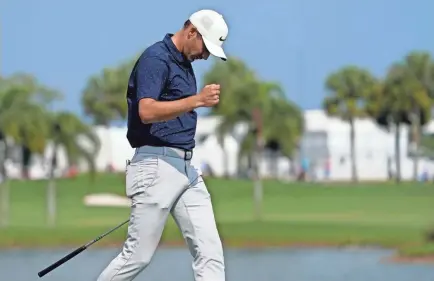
point(151, 111)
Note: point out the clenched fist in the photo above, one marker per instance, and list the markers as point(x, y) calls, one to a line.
point(210, 95)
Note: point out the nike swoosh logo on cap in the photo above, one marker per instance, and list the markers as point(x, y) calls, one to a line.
point(222, 39)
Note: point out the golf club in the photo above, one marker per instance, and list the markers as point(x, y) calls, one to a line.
point(77, 251)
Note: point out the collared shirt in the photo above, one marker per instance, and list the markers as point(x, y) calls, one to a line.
point(163, 74)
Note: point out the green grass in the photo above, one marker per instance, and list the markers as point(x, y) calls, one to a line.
point(386, 215)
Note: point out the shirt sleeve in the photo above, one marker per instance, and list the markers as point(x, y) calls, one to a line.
point(151, 76)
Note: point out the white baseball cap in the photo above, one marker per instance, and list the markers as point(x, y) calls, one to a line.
point(213, 29)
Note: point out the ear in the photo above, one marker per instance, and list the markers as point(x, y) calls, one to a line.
point(192, 32)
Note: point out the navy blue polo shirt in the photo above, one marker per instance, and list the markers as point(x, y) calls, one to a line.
point(163, 74)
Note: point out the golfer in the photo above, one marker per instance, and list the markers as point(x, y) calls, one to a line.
point(160, 179)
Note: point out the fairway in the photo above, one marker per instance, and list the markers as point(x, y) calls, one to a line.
point(313, 214)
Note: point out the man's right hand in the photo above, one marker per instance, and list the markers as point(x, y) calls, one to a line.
point(209, 96)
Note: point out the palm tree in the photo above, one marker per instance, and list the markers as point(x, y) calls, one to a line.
point(232, 76)
point(75, 137)
point(4, 183)
point(262, 106)
point(419, 66)
point(395, 102)
point(22, 120)
point(285, 126)
point(104, 97)
point(349, 88)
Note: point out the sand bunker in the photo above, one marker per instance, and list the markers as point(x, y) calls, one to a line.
point(106, 200)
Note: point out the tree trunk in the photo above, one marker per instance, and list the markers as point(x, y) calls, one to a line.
point(4, 190)
point(292, 171)
point(110, 152)
point(275, 160)
point(225, 158)
point(398, 153)
point(415, 126)
point(51, 190)
point(26, 159)
point(226, 163)
point(257, 190)
point(353, 152)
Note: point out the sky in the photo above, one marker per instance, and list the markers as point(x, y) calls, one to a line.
point(295, 43)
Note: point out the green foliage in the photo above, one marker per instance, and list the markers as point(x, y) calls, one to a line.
point(285, 125)
point(404, 96)
point(401, 95)
point(242, 92)
point(349, 88)
point(26, 119)
point(104, 96)
point(23, 111)
point(236, 81)
point(77, 138)
point(420, 66)
point(407, 92)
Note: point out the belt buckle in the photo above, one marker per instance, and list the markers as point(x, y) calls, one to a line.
point(188, 155)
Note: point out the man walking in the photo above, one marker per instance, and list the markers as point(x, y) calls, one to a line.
point(160, 179)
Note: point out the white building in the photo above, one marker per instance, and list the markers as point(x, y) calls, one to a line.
point(373, 146)
point(325, 138)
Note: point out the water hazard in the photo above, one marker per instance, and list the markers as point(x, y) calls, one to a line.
point(253, 265)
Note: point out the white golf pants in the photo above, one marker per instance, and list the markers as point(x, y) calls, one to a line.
point(159, 181)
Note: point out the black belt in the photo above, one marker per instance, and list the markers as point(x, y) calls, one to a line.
point(188, 154)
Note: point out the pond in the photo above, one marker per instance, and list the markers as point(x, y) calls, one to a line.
point(298, 264)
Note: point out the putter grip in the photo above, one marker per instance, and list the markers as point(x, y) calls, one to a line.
point(62, 260)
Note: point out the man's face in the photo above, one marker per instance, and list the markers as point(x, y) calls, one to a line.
point(195, 48)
